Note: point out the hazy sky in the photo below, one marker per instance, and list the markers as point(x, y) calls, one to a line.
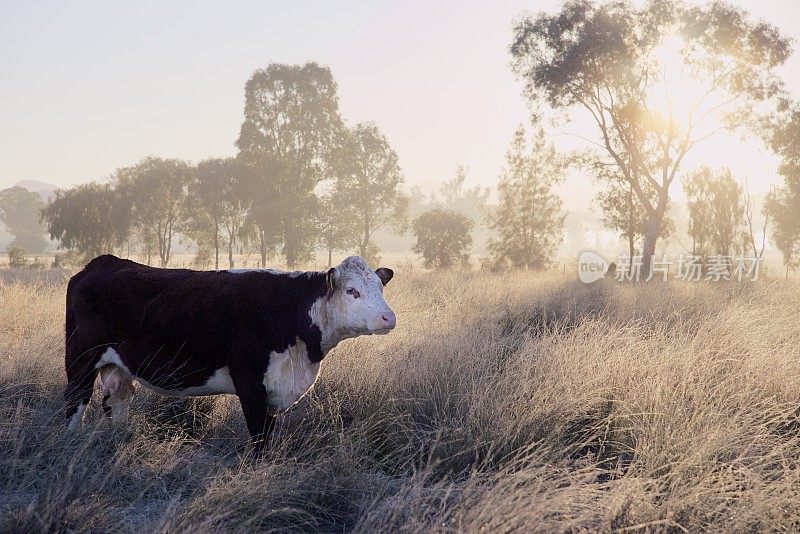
point(87, 87)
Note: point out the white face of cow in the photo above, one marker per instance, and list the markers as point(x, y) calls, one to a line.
point(355, 304)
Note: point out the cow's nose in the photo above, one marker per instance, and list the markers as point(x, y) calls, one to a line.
point(389, 319)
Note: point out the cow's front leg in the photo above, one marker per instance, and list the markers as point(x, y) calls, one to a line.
point(253, 397)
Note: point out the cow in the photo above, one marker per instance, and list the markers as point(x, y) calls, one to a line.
point(257, 333)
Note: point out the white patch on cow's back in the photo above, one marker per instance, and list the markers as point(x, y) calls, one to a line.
point(219, 382)
point(290, 374)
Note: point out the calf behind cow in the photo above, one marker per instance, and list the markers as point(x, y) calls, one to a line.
point(259, 334)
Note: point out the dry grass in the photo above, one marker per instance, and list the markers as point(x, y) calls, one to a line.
point(501, 403)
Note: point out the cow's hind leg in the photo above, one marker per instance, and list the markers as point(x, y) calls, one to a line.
point(80, 383)
point(80, 363)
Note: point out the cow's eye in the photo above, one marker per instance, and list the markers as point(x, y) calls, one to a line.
point(352, 291)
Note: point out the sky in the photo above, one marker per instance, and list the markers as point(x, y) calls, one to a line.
point(87, 87)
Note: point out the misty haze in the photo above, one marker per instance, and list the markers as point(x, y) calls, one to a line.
point(412, 267)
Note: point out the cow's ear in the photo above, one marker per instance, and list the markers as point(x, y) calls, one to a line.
point(331, 278)
point(384, 274)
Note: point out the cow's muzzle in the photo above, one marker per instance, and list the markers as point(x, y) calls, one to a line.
point(387, 321)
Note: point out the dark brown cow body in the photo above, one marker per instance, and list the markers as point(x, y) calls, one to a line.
point(259, 334)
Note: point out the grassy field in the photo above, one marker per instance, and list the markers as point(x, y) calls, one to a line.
point(512, 402)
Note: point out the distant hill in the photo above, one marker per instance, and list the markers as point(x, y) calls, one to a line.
point(44, 189)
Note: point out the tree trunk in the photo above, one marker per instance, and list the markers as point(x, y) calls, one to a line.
point(216, 246)
point(165, 260)
point(290, 254)
point(162, 251)
point(263, 243)
point(362, 249)
point(330, 256)
point(650, 239)
point(290, 245)
point(631, 231)
point(231, 245)
point(630, 253)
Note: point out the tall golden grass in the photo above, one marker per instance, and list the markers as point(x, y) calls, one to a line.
point(513, 402)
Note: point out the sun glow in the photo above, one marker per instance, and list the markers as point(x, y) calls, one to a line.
point(676, 94)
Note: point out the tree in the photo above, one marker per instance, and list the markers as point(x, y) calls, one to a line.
point(337, 231)
point(443, 237)
point(700, 214)
point(291, 124)
point(472, 202)
point(218, 205)
point(19, 212)
point(527, 221)
point(621, 211)
point(750, 234)
point(368, 177)
point(783, 204)
point(158, 190)
point(90, 218)
point(716, 211)
point(654, 81)
point(146, 240)
point(17, 258)
point(263, 220)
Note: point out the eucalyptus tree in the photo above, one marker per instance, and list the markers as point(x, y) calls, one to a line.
point(368, 180)
point(219, 205)
point(92, 219)
point(443, 237)
point(782, 205)
point(158, 191)
point(653, 81)
point(19, 213)
point(716, 211)
point(291, 127)
point(527, 221)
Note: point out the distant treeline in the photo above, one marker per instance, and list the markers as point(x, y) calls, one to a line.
point(304, 180)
